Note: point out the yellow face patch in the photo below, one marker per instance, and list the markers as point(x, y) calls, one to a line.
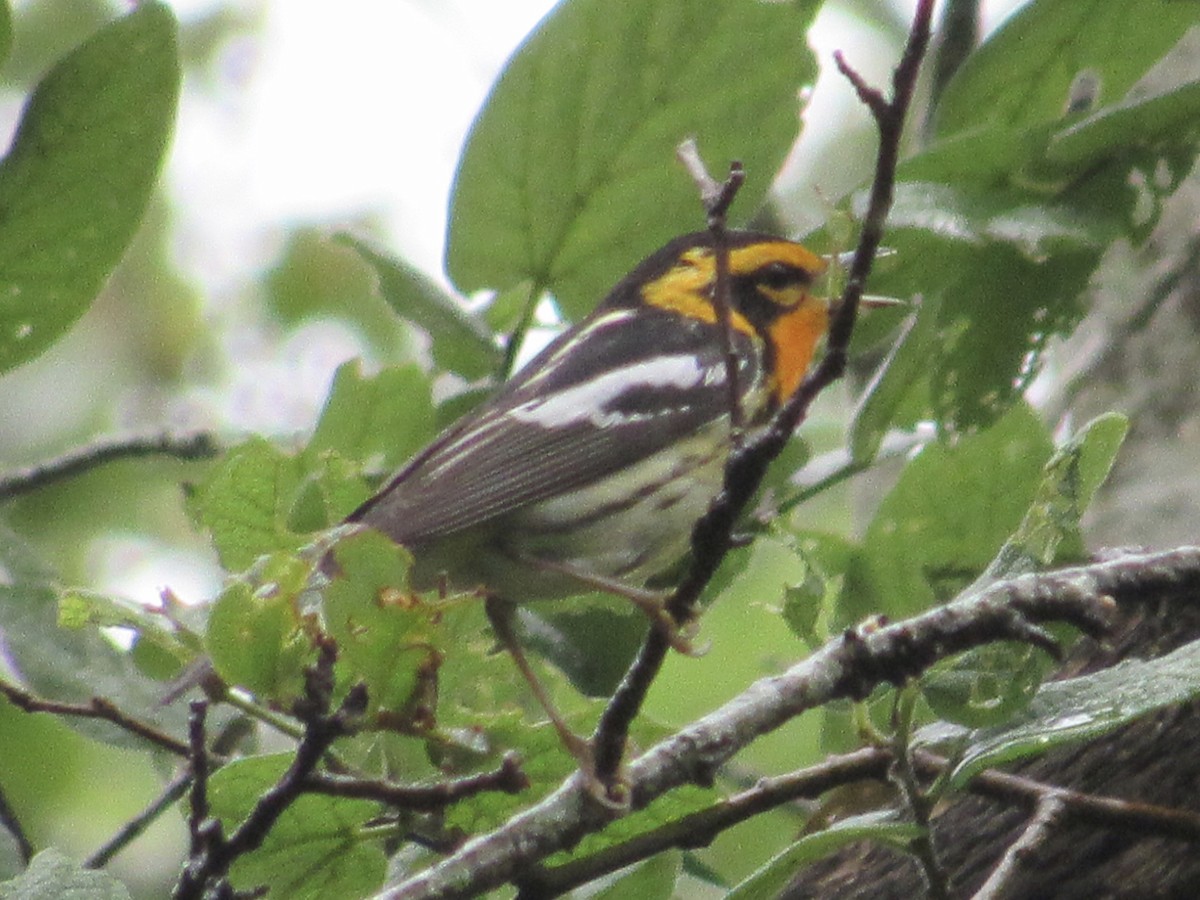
point(685, 287)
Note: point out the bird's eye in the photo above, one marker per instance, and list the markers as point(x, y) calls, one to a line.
point(778, 275)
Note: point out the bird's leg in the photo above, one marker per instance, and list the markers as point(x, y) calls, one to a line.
point(500, 614)
point(652, 603)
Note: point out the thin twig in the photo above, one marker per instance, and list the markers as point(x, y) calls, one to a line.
point(212, 854)
point(1024, 849)
point(1146, 819)
point(11, 824)
point(96, 708)
point(188, 446)
point(904, 776)
point(712, 537)
point(136, 827)
point(508, 778)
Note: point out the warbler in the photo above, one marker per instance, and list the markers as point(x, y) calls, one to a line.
point(590, 467)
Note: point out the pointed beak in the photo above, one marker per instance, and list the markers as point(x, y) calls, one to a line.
point(872, 301)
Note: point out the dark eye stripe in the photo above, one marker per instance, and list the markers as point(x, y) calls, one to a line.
point(781, 275)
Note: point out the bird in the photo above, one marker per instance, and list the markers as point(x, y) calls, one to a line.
point(589, 468)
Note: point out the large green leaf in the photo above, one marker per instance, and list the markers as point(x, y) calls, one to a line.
point(75, 184)
point(1023, 73)
point(951, 510)
point(568, 177)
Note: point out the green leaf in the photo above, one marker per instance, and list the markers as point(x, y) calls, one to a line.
point(315, 850)
point(1082, 708)
point(50, 874)
point(1023, 73)
point(389, 637)
point(1134, 121)
point(77, 180)
point(379, 420)
point(951, 510)
point(71, 664)
point(568, 176)
point(6, 32)
point(1072, 476)
point(254, 634)
point(985, 686)
point(245, 501)
point(651, 879)
point(460, 341)
point(769, 881)
point(905, 364)
point(84, 609)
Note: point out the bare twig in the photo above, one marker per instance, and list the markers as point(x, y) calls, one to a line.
point(192, 446)
point(1146, 819)
point(212, 854)
point(1022, 850)
point(712, 537)
point(507, 778)
point(96, 708)
point(11, 824)
point(717, 198)
point(919, 804)
point(176, 788)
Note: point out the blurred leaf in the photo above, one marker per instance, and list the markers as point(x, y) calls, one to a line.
point(50, 874)
point(986, 686)
point(460, 341)
point(6, 30)
point(244, 503)
point(1007, 279)
point(651, 879)
point(255, 637)
point(379, 421)
point(949, 513)
point(1082, 708)
point(568, 176)
point(76, 182)
point(315, 850)
point(1023, 73)
point(1130, 122)
point(1071, 478)
point(319, 276)
point(592, 638)
point(70, 664)
point(989, 684)
point(83, 609)
point(1014, 208)
point(906, 363)
point(880, 827)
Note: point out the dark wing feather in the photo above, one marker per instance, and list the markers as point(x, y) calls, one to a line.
point(612, 392)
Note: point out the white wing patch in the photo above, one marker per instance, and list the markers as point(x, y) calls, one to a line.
point(591, 401)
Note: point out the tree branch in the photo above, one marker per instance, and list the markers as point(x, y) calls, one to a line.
point(850, 666)
point(188, 446)
point(96, 708)
point(508, 778)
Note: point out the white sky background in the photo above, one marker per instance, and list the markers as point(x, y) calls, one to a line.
point(337, 109)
